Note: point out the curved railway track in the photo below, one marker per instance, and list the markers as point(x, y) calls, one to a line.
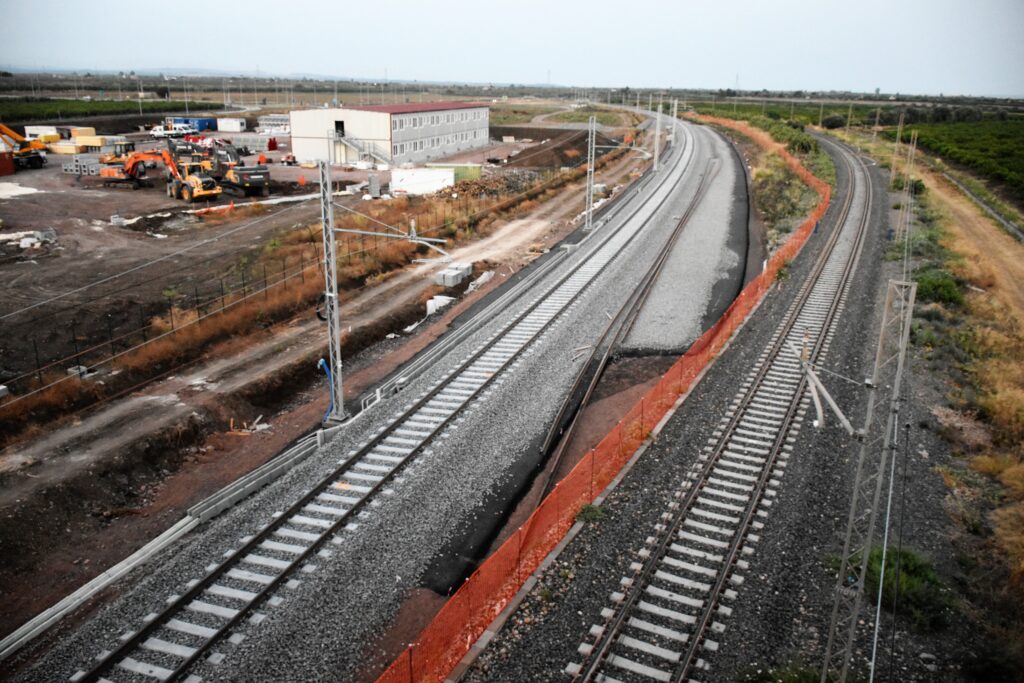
point(172, 641)
point(667, 614)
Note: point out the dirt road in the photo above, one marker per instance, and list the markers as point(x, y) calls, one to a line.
point(145, 445)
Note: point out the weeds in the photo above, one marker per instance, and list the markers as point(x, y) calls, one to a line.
point(590, 514)
point(915, 587)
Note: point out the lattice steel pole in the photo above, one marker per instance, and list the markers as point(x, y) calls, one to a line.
point(867, 488)
point(332, 308)
point(591, 149)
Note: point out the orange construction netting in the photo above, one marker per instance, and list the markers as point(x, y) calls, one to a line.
point(483, 596)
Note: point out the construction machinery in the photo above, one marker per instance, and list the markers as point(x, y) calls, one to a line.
point(27, 153)
point(119, 154)
point(185, 179)
point(222, 161)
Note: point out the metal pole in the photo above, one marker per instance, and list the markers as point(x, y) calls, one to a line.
point(592, 133)
point(657, 135)
point(39, 373)
point(876, 444)
point(331, 303)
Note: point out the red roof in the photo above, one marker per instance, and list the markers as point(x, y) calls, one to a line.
point(414, 108)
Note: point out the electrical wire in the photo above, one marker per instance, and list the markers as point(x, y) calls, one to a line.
point(147, 264)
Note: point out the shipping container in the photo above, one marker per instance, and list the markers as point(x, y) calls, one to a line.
point(231, 125)
point(90, 140)
point(40, 131)
point(6, 163)
point(77, 131)
point(200, 123)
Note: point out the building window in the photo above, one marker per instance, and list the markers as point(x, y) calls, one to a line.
point(394, 124)
point(394, 150)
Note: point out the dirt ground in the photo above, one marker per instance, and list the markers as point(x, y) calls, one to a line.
point(979, 241)
point(165, 460)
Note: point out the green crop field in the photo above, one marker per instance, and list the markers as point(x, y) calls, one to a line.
point(17, 111)
point(605, 118)
point(993, 149)
point(513, 114)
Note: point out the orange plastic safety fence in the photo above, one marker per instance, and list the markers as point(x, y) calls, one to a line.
point(487, 591)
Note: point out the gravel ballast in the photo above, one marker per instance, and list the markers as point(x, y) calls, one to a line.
point(542, 636)
point(326, 624)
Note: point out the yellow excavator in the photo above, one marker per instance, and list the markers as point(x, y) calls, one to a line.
point(224, 163)
point(184, 180)
point(119, 154)
point(27, 153)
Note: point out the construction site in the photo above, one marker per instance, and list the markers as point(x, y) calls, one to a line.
point(310, 375)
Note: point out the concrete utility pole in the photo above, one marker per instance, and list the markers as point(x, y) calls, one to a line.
point(650, 101)
point(638, 102)
point(880, 428)
point(332, 307)
point(675, 109)
point(186, 94)
point(821, 114)
point(849, 116)
point(874, 131)
point(591, 149)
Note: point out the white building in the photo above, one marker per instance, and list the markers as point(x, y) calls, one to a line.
point(392, 133)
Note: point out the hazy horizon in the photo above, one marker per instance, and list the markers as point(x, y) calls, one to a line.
point(914, 47)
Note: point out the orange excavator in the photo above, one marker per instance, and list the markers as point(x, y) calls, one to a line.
point(184, 181)
point(27, 153)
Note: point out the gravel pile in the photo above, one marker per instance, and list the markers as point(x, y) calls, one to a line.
point(328, 623)
point(541, 638)
point(712, 248)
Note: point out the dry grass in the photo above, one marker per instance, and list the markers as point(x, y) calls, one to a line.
point(363, 260)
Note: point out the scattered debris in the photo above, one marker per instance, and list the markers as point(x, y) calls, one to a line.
point(12, 190)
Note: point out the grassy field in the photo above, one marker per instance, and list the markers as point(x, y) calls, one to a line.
point(991, 148)
point(967, 330)
point(514, 114)
point(806, 114)
point(605, 118)
point(24, 110)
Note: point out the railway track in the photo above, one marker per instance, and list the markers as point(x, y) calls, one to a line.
point(173, 640)
point(665, 617)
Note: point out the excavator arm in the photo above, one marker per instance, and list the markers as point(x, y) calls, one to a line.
point(19, 142)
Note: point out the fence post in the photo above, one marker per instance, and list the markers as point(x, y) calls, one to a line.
point(412, 675)
point(222, 295)
point(142, 324)
point(284, 273)
point(243, 284)
point(39, 373)
point(170, 312)
point(302, 268)
point(74, 342)
point(264, 281)
point(110, 335)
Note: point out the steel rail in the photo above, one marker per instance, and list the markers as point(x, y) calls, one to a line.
point(592, 667)
point(136, 640)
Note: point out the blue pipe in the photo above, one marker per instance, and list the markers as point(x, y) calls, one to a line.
point(330, 383)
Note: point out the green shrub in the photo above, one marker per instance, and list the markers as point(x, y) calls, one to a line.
point(921, 594)
point(833, 121)
point(939, 286)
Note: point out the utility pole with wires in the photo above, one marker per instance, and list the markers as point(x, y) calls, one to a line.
point(879, 439)
point(332, 307)
point(874, 131)
point(896, 148)
point(657, 135)
point(591, 150)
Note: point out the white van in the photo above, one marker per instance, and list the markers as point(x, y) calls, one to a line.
point(175, 130)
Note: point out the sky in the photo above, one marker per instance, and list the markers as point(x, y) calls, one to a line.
point(951, 47)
